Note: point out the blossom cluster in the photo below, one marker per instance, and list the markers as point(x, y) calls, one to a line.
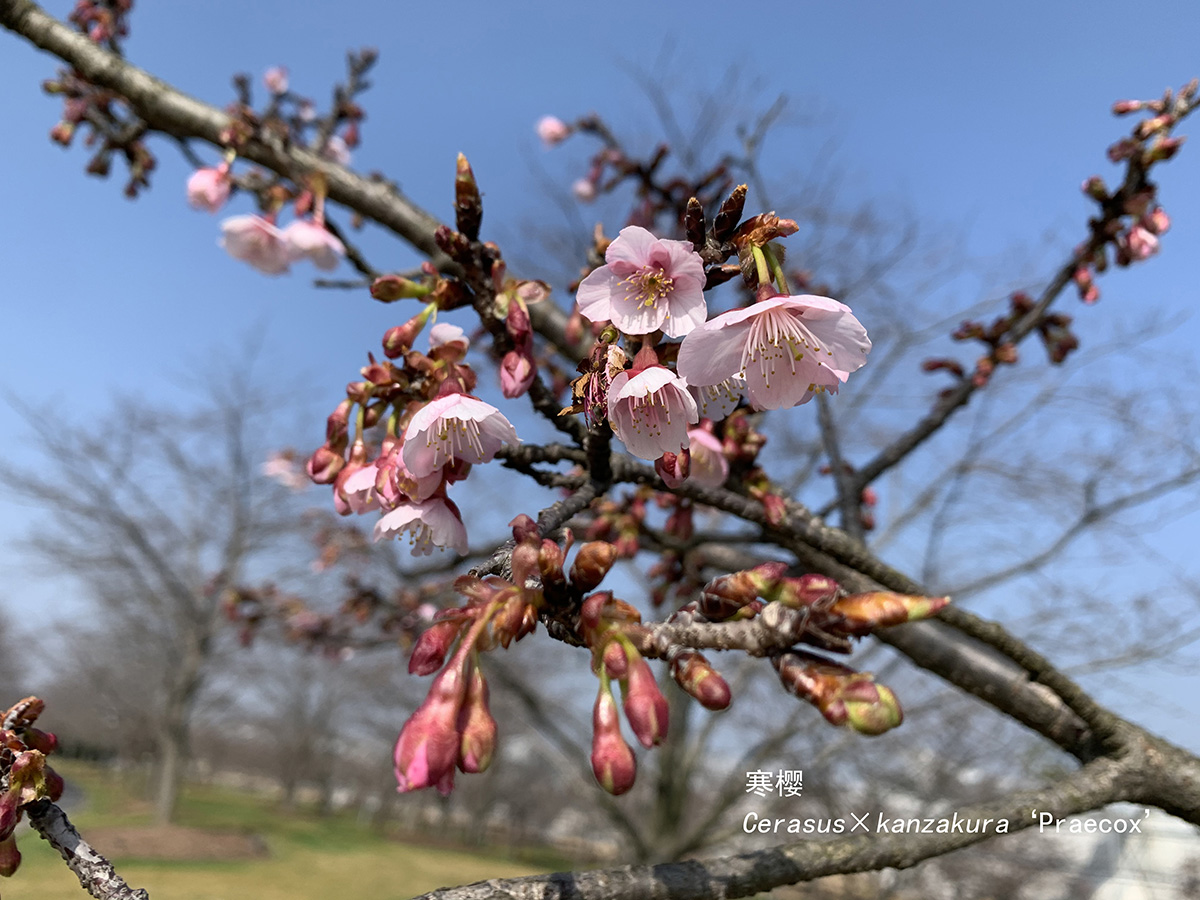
point(776, 353)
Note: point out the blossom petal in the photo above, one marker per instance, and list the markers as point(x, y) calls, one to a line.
point(712, 352)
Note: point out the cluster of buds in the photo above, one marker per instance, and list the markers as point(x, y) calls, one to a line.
point(620, 521)
point(103, 21)
point(604, 621)
point(498, 611)
point(814, 609)
point(24, 775)
point(112, 127)
point(612, 165)
point(1130, 219)
point(435, 431)
point(844, 696)
point(998, 338)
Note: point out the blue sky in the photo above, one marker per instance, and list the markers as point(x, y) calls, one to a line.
point(980, 119)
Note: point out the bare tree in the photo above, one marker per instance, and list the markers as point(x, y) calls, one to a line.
point(153, 516)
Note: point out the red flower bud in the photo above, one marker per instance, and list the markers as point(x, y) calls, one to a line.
point(432, 646)
point(612, 759)
point(645, 706)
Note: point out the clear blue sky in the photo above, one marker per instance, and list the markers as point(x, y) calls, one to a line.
point(980, 118)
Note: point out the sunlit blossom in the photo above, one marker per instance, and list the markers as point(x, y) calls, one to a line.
point(308, 240)
point(787, 348)
point(651, 411)
point(710, 467)
point(208, 188)
point(456, 426)
point(647, 284)
point(432, 523)
point(254, 240)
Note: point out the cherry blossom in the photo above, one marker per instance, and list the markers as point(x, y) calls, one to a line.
point(308, 240)
point(647, 284)
point(552, 130)
point(456, 426)
point(208, 188)
point(254, 240)
point(650, 411)
point(709, 467)
point(716, 401)
point(787, 348)
point(435, 522)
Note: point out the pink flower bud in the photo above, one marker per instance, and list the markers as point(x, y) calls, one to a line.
point(692, 672)
point(1156, 221)
point(276, 79)
point(428, 746)
point(1124, 107)
point(645, 706)
point(552, 130)
point(517, 372)
point(673, 468)
point(208, 189)
point(323, 466)
point(616, 663)
point(612, 759)
point(477, 726)
point(432, 646)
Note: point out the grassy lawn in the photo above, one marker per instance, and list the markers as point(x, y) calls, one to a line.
point(309, 856)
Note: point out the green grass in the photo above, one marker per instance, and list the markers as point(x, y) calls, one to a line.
point(310, 856)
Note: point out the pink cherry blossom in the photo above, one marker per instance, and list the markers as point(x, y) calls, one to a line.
point(337, 150)
point(651, 411)
point(387, 482)
point(276, 79)
point(435, 522)
point(444, 333)
point(716, 401)
point(1142, 242)
point(456, 426)
point(208, 189)
point(710, 467)
point(308, 240)
point(584, 190)
point(786, 348)
point(647, 284)
point(552, 130)
point(254, 240)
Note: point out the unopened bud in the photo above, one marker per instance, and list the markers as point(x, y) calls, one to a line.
point(592, 563)
point(390, 288)
point(477, 726)
point(468, 205)
point(431, 648)
point(10, 856)
point(1124, 107)
point(876, 716)
point(693, 673)
point(645, 706)
point(808, 590)
point(550, 562)
point(674, 468)
point(616, 662)
point(862, 613)
point(613, 762)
